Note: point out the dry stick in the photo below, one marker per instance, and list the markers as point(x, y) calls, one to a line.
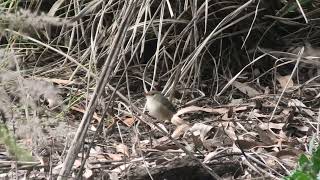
point(148, 121)
point(104, 77)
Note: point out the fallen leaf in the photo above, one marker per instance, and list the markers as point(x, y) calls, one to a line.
point(271, 125)
point(245, 89)
point(245, 144)
point(242, 108)
point(255, 114)
point(211, 144)
point(270, 161)
point(115, 157)
point(121, 148)
point(199, 129)
point(98, 157)
point(308, 112)
point(95, 116)
point(176, 120)
point(113, 176)
point(284, 153)
point(160, 161)
point(196, 108)
point(57, 81)
point(288, 157)
point(121, 168)
point(165, 147)
point(77, 163)
point(295, 103)
point(161, 126)
point(129, 121)
point(162, 140)
point(197, 142)
point(266, 136)
point(57, 168)
point(301, 128)
point(209, 156)
point(236, 102)
point(88, 173)
point(162, 143)
point(93, 129)
point(180, 130)
point(235, 148)
point(283, 80)
point(230, 132)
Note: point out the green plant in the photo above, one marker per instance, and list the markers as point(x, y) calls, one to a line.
point(13, 148)
point(308, 168)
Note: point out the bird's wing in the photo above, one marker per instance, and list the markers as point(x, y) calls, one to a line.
point(167, 103)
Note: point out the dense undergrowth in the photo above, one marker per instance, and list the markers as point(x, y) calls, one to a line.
point(62, 62)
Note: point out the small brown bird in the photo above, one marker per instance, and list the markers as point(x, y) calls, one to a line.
point(159, 106)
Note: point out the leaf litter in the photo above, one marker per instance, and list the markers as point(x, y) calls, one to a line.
point(250, 125)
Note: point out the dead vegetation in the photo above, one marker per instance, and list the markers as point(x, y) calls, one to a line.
point(244, 77)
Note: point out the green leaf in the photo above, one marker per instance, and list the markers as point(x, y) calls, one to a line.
point(298, 175)
point(303, 160)
point(316, 160)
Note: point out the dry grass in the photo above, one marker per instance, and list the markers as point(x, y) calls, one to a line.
point(61, 62)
